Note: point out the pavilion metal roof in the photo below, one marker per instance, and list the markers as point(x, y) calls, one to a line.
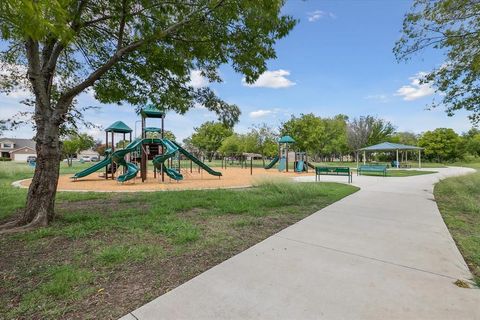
point(389, 146)
point(119, 127)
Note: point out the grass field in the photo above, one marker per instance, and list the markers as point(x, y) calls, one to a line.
point(458, 199)
point(106, 253)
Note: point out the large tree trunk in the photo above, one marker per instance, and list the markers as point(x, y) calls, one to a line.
point(40, 206)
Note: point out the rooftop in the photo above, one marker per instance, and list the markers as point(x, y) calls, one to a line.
point(118, 127)
point(152, 111)
point(389, 146)
point(286, 139)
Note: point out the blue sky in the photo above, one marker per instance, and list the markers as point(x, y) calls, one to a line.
point(338, 59)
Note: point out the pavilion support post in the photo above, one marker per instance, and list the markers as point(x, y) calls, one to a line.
point(356, 156)
point(398, 163)
point(364, 157)
point(419, 158)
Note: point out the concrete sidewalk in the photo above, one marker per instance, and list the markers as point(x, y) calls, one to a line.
point(381, 253)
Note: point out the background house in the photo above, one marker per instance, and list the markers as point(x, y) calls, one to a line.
point(17, 149)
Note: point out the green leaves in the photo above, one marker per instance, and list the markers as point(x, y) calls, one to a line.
point(143, 52)
point(317, 135)
point(441, 144)
point(209, 136)
point(36, 20)
point(452, 26)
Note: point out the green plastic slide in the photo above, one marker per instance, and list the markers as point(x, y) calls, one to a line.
point(197, 161)
point(271, 164)
point(119, 157)
point(282, 164)
point(160, 159)
point(300, 166)
point(100, 165)
point(131, 172)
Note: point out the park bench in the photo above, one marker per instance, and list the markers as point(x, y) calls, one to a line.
point(333, 171)
point(372, 168)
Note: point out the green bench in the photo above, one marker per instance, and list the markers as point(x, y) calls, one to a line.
point(372, 168)
point(333, 171)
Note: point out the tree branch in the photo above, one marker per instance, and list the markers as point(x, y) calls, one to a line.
point(117, 56)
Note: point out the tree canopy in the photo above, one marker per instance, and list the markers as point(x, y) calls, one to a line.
point(441, 144)
point(209, 137)
point(368, 130)
point(452, 26)
point(136, 52)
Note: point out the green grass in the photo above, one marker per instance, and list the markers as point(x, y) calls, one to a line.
point(108, 253)
point(458, 199)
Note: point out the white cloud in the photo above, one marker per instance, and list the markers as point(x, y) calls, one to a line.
point(272, 79)
point(415, 90)
point(197, 80)
point(382, 98)
point(260, 113)
point(319, 14)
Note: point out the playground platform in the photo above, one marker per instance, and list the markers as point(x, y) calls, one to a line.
point(232, 178)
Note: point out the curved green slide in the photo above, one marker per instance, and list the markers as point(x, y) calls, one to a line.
point(271, 164)
point(119, 157)
point(300, 166)
point(282, 165)
point(102, 164)
point(196, 160)
point(160, 159)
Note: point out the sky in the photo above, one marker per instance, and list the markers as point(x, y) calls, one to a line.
point(338, 59)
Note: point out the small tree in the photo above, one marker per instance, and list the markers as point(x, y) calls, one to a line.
point(231, 145)
point(266, 140)
point(308, 131)
point(75, 144)
point(209, 137)
point(441, 144)
point(367, 130)
point(408, 138)
point(472, 142)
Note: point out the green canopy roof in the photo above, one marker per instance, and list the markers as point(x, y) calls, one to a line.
point(152, 129)
point(151, 111)
point(388, 146)
point(118, 127)
point(286, 139)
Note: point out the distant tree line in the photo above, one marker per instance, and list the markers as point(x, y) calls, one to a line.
point(324, 139)
point(331, 139)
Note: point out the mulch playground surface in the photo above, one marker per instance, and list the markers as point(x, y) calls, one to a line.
point(232, 178)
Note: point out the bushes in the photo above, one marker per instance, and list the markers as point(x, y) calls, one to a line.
point(5, 159)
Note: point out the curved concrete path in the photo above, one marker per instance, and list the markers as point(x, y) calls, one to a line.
point(381, 253)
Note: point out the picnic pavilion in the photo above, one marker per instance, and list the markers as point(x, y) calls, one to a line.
point(389, 147)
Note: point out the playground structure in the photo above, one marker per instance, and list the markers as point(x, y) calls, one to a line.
point(300, 163)
point(134, 157)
